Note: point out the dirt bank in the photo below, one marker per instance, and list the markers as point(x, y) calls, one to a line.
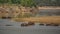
point(42, 19)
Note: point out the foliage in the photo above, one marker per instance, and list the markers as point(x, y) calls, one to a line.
point(47, 2)
point(21, 2)
point(27, 2)
point(32, 2)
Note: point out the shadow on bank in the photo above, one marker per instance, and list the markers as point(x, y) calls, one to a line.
point(6, 17)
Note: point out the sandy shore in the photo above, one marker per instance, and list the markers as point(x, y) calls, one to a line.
point(42, 19)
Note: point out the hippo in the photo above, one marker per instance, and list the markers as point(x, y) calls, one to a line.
point(24, 24)
point(31, 23)
point(52, 24)
point(9, 25)
point(56, 25)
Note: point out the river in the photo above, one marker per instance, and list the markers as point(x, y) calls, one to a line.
point(15, 28)
point(48, 12)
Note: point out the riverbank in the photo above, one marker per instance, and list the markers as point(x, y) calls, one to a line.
point(18, 10)
point(41, 19)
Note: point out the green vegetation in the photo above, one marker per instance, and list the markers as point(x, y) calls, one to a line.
point(47, 2)
point(27, 3)
point(9, 1)
point(32, 2)
point(18, 2)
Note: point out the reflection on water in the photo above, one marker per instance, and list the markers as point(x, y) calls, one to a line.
point(49, 12)
point(15, 28)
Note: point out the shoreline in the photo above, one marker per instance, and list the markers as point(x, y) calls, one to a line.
point(43, 19)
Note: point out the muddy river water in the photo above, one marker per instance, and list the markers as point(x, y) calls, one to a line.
point(15, 28)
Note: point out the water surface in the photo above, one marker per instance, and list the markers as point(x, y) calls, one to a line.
point(15, 28)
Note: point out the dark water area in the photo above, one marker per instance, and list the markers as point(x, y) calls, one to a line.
point(7, 26)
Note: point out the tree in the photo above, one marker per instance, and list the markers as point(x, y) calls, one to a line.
point(15, 1)
point(3, 1)
point(27, 3)
point(47, 2)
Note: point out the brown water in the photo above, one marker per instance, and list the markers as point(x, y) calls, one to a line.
point(15, 28)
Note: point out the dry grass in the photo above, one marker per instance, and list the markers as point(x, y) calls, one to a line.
point(42, 19)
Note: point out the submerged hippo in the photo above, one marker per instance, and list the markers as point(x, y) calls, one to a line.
point(41, 24)
point(9, 25)
point(55, 24)
point(49, 25)
point(24, 24)
point(52, 25)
